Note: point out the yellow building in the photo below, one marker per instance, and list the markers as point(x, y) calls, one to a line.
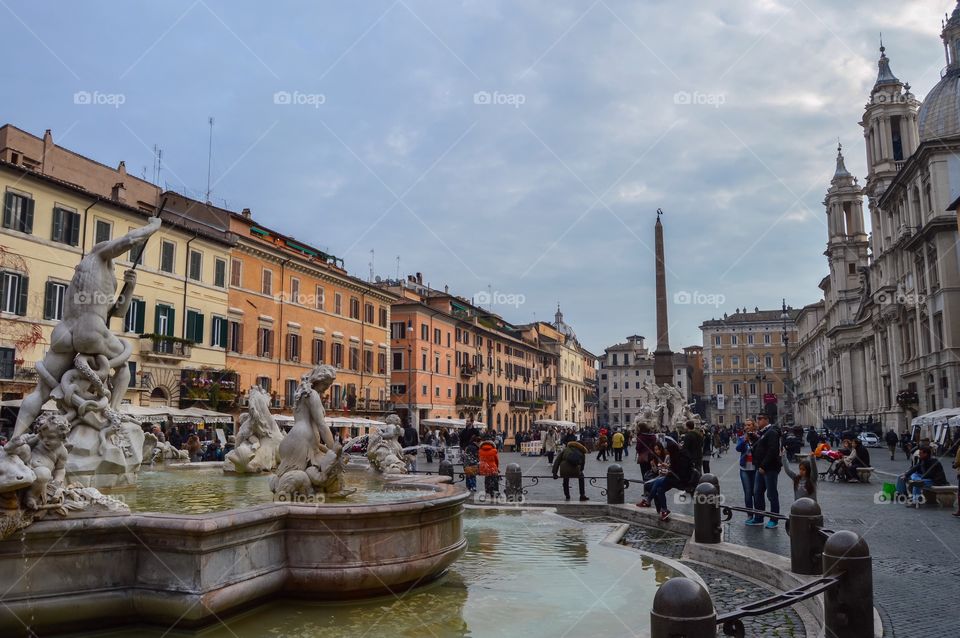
point(48, 224)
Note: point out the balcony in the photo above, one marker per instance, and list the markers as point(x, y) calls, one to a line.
point(526, 405)
point(163, 347)
point(468, 370)
point(474, 401)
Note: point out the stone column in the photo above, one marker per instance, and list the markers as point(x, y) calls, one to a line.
point(846, 381)
point(663, 357)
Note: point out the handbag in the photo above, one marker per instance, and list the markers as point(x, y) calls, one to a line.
point(470, 470)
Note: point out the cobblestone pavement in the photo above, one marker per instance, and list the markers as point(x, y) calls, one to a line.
point(916, 562)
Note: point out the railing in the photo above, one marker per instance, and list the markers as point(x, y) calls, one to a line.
point(165, 346)
point(731, 620)
point(468, 371)
point(25, 372)
point(470, 401)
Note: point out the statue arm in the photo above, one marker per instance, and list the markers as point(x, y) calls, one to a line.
point(115, 247)
point(316, 418)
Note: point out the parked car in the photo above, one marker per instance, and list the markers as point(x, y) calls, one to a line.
point(869, 439)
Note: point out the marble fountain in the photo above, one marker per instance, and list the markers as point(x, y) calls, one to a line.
point(286, 538)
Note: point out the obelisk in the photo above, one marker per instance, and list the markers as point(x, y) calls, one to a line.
point(662, 356)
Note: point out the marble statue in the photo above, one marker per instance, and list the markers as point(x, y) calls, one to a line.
point(311, 461)
point(164, 451)
point(258, 438)
point(384, 450)
point(85, 370)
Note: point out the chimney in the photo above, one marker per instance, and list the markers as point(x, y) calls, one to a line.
point(122, 169)
point(246, 213)
point(119, 193)
point(47, 147)
point(420, 278)
point(446, 289)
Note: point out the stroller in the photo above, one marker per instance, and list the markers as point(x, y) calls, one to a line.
point(835, 472)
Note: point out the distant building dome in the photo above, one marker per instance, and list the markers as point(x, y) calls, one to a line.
point(939, 114)
point(562, 327)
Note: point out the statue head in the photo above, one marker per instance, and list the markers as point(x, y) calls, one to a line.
point(320, 378)
point(53, 430)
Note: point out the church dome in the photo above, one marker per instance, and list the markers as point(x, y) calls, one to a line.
point(939, 114)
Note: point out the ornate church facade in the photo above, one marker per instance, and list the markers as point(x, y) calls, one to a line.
point(884, 342)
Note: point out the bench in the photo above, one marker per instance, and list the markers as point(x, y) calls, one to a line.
point(863, 474)
point(942, 495)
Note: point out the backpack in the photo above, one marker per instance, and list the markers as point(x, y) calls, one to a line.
point(575, 456)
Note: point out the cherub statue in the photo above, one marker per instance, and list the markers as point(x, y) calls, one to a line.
point(258, 439)
point(384, 450)
point(45, 453)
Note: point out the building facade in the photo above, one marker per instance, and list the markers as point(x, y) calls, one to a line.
point(57, 205)
point(624, 369)
point(746, 366)
point(891, 316)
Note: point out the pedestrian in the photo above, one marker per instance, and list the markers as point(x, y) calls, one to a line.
point(748, 471)
point(570, 464)
point(766, 457)
point(803, 484)
point(431, 444)
point(675, 470)
point(891, 440)
point(626, 443)
point(692, 444)
point(927, 471)
point(471, 463)
point(956, 466)
point(906, 443)
point(602, 446)
point(550, 445)
point(411, 445)
point(213, 452)
point(176, 440)
point(618, 446)
point(193, 448)
point(489, 468)
point(812, 438)
point(469, 431)
point(707, 452)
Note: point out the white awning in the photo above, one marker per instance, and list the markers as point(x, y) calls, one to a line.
point(551, 423)
point(458, 424)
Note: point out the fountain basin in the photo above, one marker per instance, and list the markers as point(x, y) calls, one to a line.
point(184, 571)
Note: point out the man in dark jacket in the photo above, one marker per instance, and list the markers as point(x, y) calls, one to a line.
point(411, 439)
point(692, 445)
point(813, 439)
point(927, 472)
point(469, 432)
point(766, 458)
point(569, 464)
point(891, 440)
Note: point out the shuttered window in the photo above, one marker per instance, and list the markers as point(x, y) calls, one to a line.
point(18, 212)
point(53, 298)
point(66, 227)
point(13, 293)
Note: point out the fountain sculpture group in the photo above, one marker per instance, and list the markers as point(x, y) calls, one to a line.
point(664, 408)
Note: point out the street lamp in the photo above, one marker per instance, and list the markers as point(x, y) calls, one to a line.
point(410, 384)
point(788, 407)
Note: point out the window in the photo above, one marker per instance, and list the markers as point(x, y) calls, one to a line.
point(354, 308)
point(424, 332)
point(337, 352)
point(194, 330)
point(338, 303)
point(381, 363)
point(18, 212)
point(368, 313)
point(719, 388)
point(53, 300)
point(319, 351)
point(265, 342)
point(265, 383)
point(266, 282)
point(135, 256)
point(354, 358)
point(13, 293)
point(102, 230)
point(293, 347)
point(736, 389)
point(734, 361)
point(236, 271)
point(716, 340)
point(768, 361)
point(319, 300)
point(66, 227)
point(164, 318)
point(195, 271)
point(718, 363)
point(167, 250)
point(7, 355)
point(769, 387)
point(218, 332)
point(766, 338)
point(383, 318)
point(753, 389)
point(750, 339)
point(733, 340)
point(398, 330)
point(398, 360)
point(220, 272)
point(294, 290)
point(291, 391)
point(398, 389)
point(235, 336)
point(437, 336)
point(423, 390)
point(368, 360)
point(133, 320)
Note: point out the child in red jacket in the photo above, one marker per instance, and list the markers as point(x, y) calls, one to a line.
point(490, 468)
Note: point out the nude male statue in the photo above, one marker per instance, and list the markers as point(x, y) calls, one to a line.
point(89, 303)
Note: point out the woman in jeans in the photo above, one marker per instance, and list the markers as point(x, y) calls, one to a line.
point(748, 471)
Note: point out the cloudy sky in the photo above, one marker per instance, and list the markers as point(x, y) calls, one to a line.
point(519, 147)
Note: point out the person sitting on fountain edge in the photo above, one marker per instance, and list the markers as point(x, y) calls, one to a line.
point(926, 472)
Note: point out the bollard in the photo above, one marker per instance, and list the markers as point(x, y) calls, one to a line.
point(848, 605)
point(806, 541)
point(446, 469)
point(682, 607)
point(616, 484)
point(706, 514)
point(514, 487)
point(712, 479)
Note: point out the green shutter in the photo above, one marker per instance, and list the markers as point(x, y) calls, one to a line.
point(156, 319)
point(190, 328)
point(141, 307)
point(28, 217)
point(8, 210)
point(22, 302)
point(3, 290)
point(223, 332)
point(58, 220)
point(171, 320)
point(198, 328)
point(74, 229)
point(49, 301)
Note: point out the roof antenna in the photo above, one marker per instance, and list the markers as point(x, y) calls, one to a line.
point(209, 158)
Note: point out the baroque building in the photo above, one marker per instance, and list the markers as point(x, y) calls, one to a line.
point(884, 342)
